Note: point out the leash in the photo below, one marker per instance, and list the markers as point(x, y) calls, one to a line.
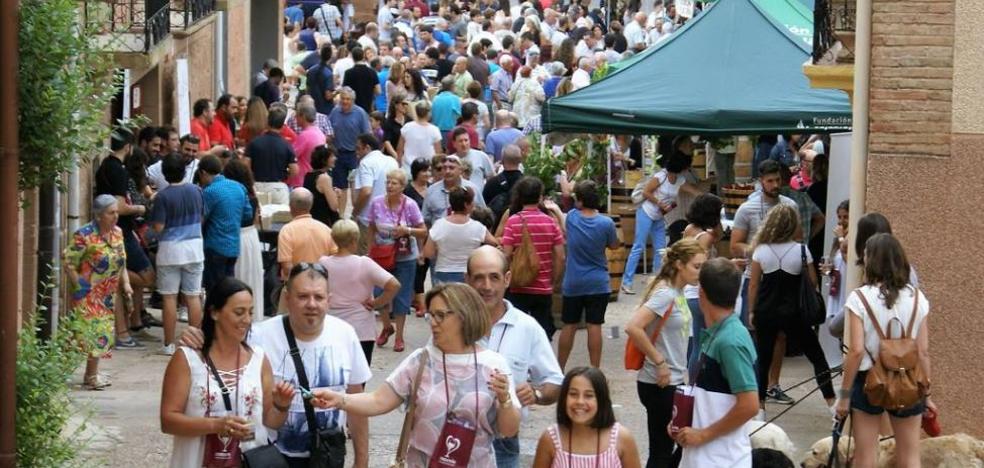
point(833, 373)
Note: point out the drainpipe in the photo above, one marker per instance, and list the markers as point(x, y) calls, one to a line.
point(9, 207)
point(221, 44)
point(859, 140)
point(49, 260)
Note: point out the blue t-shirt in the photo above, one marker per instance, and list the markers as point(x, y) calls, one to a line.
point(180, 209)
point(226, 208)
point(381, 97)
point(319, 80)
point(445, 111)
point(306, 36)
point(294, 14)
point(587, 266)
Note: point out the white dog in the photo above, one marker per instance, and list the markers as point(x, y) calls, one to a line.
point(770, 436)
point(949, 451)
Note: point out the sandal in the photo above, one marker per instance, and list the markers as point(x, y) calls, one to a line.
point(385, 335)
point(95, 383)
point(399, 346)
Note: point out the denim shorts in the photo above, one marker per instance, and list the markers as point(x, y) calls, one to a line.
point(186, 279)
point(404, 272)
point(859, 401)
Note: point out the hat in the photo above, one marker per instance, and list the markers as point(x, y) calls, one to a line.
point(271, 63)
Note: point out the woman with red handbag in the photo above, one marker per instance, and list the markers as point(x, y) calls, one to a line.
point(661, 328)
point(218, 403)
point(395, 225)
point(463, 398)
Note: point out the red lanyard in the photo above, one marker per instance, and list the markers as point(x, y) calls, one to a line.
point(447, 393)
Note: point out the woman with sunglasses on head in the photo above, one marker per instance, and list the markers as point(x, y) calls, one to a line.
point(224, 391)
point(586, 433)
point(465, 390)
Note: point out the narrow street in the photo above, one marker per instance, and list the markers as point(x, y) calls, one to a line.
point(125, 425)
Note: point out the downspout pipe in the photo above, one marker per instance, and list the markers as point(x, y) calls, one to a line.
point(49, 260)
point(859, 140)
point(9, 208)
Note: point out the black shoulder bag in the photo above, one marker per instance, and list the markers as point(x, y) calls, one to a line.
point(811, 306)
point(327, 449)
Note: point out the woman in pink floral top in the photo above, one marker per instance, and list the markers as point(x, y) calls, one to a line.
point(465, 390)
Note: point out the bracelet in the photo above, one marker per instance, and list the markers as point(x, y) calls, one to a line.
point(344, 402)
point(843, 393)
point(282, 409)
point(660, 363)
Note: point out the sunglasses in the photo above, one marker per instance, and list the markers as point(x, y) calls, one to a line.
point(437, 316)
point(305, 266)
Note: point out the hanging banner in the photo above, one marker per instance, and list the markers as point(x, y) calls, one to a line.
point(184, 97)
point(685, 8)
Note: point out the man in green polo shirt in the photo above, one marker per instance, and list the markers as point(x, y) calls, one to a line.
point(726, 392)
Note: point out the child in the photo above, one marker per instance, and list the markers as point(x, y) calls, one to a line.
point(586, 433)
point(376, 119)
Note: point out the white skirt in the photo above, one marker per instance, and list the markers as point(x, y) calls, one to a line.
point(249, 267)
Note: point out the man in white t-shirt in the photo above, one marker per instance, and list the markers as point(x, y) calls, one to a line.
point(332, 356)
point(635, 33)
point(481, 163)
point(385, 19)
point(582, 76)
point(418, 139)
point(370, 176)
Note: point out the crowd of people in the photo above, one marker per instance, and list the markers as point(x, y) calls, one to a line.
point(397, 148)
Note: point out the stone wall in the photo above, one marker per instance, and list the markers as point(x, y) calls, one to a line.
point(924, 174)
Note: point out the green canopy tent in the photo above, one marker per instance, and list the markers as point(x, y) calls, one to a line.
point(733, 70)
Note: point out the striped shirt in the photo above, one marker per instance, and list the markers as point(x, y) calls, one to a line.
point(545, 234)
point(607, 458)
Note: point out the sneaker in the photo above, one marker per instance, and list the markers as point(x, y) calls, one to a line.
point(183, 314)
point(627, 290)
point(128, 343)
point(760, 416)
point(167, 350)
point(149, 320)
point(143, 333)
point(775, 395)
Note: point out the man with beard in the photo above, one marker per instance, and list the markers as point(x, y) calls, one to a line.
point(189, 155)
point(436, 205)
point(223, 124)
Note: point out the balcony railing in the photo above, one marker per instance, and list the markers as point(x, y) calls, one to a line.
point(140, 25)
point(833, 31)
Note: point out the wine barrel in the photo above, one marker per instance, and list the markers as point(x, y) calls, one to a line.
point(616, 263)
point(733, 196)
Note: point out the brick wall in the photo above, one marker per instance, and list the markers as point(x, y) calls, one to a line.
point(924, 175)
point(911, 77)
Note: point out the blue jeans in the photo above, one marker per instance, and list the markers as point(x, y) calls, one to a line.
point(438, 277)
point(645, 227)
point(404, 272)
point(744, 301)
point(506, 452)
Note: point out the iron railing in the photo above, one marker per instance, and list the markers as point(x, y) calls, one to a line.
point(830, 17)
point(140, 25)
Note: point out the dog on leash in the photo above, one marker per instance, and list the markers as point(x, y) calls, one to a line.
point(770, 436)
point(949, 451)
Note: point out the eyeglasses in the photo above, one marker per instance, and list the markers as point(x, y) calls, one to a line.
point(438, 316)
point(305, 266)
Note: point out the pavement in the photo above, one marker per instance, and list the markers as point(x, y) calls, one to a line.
point(124, 427)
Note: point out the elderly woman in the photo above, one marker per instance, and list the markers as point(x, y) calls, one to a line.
point(395, 219)
point(463, 387)
point(221, 400)
point(95, 262)
point(353, 279)
point(527, 97)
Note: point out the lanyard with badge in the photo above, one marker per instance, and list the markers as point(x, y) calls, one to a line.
point(454, 446)
point(683, 398)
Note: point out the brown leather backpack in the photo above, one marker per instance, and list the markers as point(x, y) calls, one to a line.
point(895, 380)
point(525, 264)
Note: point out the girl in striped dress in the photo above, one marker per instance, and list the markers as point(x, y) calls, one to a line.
point(586, 434)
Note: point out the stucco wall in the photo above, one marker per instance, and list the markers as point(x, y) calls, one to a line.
point(925, 79)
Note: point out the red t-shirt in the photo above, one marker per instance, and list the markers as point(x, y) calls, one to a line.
point(220, 133)
point(545, 234)
point(288, 134)
point(199, 130)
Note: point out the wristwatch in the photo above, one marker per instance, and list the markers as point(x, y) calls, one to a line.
point(506, 404)
point(537, 396)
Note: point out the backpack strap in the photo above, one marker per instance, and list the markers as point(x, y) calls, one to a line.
point(874, 320)
point(915, 308)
